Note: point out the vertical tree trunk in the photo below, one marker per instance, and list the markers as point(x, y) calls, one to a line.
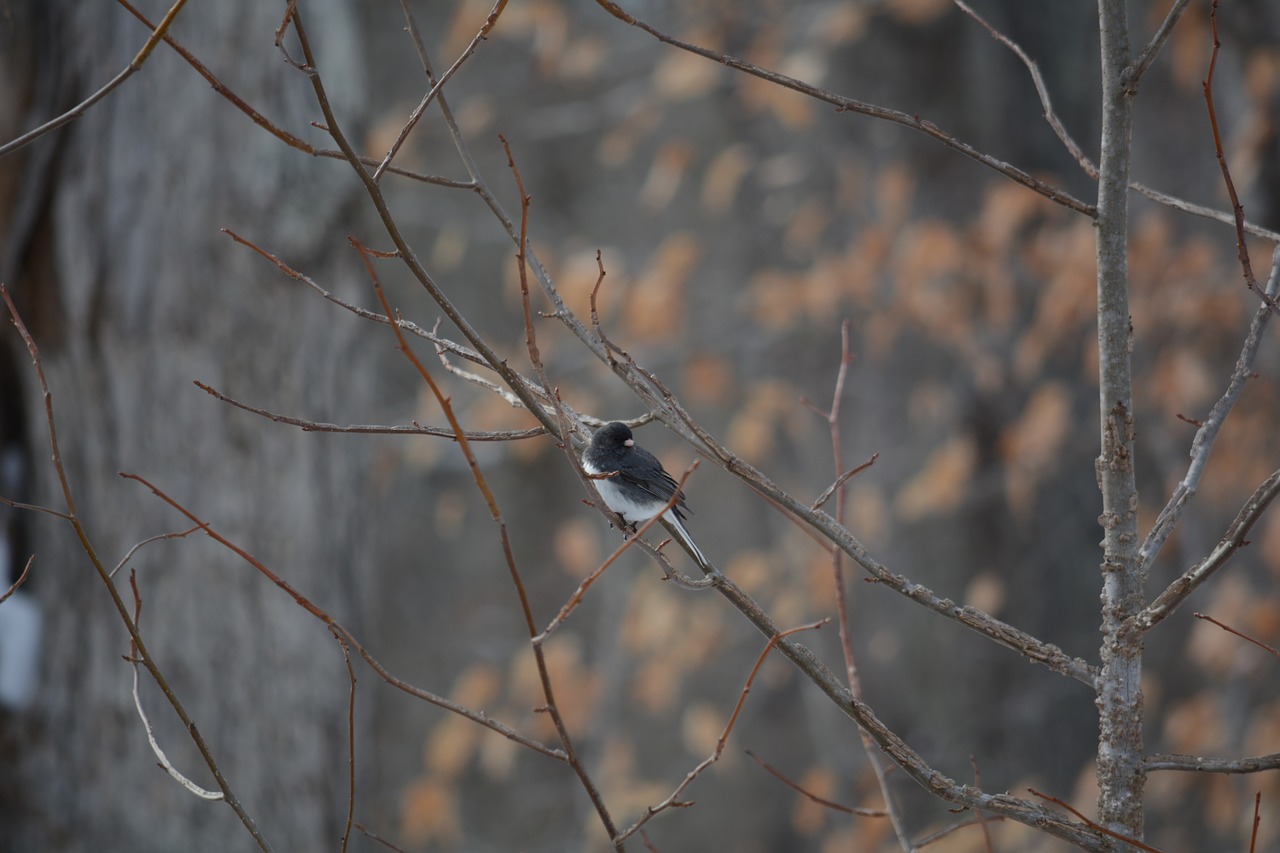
point(1120, 775)
point(132, 294)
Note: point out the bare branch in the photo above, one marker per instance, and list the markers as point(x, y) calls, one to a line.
point(1202, 444)
point(368, 429)
point(1242, 248)
point(673, 801)
point(843, 104)
point(1162, 34)
point(1041, 90)
point(1272, 650)
point(1234, 539)
point(418, 111)
point(83, 107)
point(320, 614)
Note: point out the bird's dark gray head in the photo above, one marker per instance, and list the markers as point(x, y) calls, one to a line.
point(615, 435)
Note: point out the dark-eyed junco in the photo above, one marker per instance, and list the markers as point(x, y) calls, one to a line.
point(640, 487)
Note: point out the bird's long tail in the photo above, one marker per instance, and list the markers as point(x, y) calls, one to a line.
point(681, 534)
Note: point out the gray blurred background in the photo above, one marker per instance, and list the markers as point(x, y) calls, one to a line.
point(740, 224)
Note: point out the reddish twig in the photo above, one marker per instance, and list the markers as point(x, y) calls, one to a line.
point(319, 613)
point(22, 578)
point(977, 812)
point(576, 598)
point(1237, 209)
point(1240, 634)
point(377, 839)
point(1232, 541)
point(1257, 820)
point(674, 801)
point(1200, 764)
point(351, 739)
point(812, 797)
point(944, 832)
point(832, 417)
point(1094, 825)
point(263, 122)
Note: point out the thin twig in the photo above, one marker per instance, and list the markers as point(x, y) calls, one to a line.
point(812, 797)
point(982, 820)
point(1148, 55)
point(1231, 542)
point(351, 739)
point(1207, 432)
point(86, 545)
point(843, 104)
point(1041, 89)
point(418, 111)
point(319, 613)
point(81, 108)
point(832, 417)
point(1237, 209)
point(673, 800)
point(283, 135)
point(22, 578)
point(842, 479)
point(129, 556)
point(1099, 827)
point(944, 832)
point(1271, 649)
point(576, 599)
point(165, 763)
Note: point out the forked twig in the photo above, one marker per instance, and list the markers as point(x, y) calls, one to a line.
point(674, 801)
point(156, 750)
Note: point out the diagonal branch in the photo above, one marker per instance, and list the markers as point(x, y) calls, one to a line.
point(843, 104)
point(1233, 540)
point(1202, 444)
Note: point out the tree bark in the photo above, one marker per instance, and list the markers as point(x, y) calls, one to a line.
point(132, 294)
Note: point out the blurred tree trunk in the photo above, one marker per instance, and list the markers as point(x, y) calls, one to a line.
point(132, 293)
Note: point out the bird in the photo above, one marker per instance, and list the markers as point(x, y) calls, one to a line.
point(633, 483)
